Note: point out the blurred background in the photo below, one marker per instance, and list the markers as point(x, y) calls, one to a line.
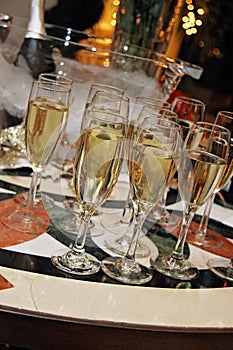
point(198, 31)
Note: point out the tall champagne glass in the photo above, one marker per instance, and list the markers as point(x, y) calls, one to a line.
point(150, 157)
point(202, 237)
point(97, 165)
point(43, 200)
point(202, 164)
point(112, 101)
point(45, 121)
point(119, 243)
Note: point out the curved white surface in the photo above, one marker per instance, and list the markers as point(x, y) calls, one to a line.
point(120, 305)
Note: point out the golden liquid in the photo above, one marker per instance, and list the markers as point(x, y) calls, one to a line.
point(228, 171)
point(150, 167)
point(97, 165)
point(199, 175)
point(45, 122)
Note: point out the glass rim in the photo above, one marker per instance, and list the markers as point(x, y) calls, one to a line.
point(66, 80)
point(51, 86)
point(189, 100)
point(105, 112)
point(211, 127)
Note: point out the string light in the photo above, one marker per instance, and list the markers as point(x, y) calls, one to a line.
point(189, 20)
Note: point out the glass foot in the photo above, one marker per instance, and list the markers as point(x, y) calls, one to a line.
point(29, 223)
point(209, 240)
point(113, 223)
point(126, 271)
point(176, 268)
point(163, 218)
point(76, 264)
point(221, 268)
point(120, 246)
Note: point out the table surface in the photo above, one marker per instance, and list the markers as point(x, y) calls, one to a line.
point(37, 291)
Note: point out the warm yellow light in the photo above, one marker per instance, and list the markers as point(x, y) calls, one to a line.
point(216, 51)
point(188, 1)
point(191, 14)
point(185, 19)
point(194, 30)
point(114, 15)
point(185, 25)
point(201, 43)
point(188, 32)
point(113, 22)
point(190, 7)
point(200, 11)
point(198, 22)
point(116, 2)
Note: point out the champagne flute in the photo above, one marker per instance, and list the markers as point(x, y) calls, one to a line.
point(150, 156)
point(43, 200)
point(203, 161)
point(202, 237)
point(97, 165)
point(45, 121)
point(120, 243)
point(142, 108)
point(112, 101)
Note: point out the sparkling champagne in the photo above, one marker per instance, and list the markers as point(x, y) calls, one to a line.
point(45, 122)
point(199, 175)
point(97, 165)
point(150, 167)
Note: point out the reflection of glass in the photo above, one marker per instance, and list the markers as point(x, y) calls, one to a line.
point(97, 165)
point(44, 124)
point(151, 154)
point(202, 237)
point(202, 164)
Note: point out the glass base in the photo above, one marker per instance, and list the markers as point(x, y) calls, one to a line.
point(30, 223)
point(176, 268)
point(120, 246)
point(45, 203)
point(221, 268)
point(113, 224)
point(126, 271)
point(162, 217)
point(76, 264)
point(210, 240)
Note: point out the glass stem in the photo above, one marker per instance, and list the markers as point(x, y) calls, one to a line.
point(136, 222)
point(38, 189)
point(202, 229)
point(31, 194)
point(163, 200)
point(78, 247)
point(128, 204)
point(178, 252)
